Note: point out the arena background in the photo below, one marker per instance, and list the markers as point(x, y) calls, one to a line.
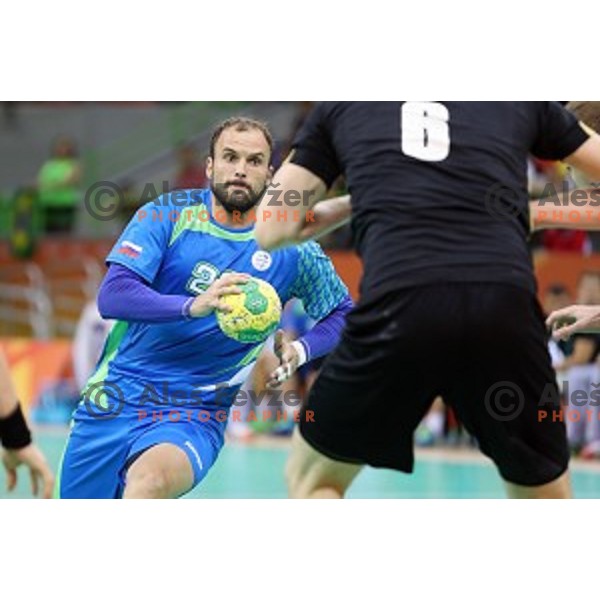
point(49, 272)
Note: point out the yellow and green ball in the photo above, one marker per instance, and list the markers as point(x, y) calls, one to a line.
point(256, 312)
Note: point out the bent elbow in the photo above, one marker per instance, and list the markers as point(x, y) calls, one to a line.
point(104, 303)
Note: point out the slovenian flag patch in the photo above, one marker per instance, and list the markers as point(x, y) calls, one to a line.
point(130, 249)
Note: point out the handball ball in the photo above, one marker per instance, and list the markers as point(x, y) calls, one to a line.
point(256, 312)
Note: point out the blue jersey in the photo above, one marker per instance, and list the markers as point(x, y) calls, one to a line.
point(180, 248)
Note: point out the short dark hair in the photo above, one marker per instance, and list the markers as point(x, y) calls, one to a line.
point(240, 124)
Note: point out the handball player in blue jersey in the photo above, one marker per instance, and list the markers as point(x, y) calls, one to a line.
point(152, 417)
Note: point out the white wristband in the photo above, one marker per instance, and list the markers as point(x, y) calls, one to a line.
point(299, 347)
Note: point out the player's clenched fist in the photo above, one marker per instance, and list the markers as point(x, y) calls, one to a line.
point(211, 299)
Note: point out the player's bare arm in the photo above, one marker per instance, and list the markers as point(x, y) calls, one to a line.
point(287, 228)
point(16, 439)
point(579, 209)
point(327, 216)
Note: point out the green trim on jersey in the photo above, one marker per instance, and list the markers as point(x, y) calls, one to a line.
point(189, 220)
point(117, 333)
point(252, 355)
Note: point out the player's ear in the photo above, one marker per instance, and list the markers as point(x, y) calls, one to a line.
point(209, 167)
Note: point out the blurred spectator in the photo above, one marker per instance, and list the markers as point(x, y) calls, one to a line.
point(431, 429)
point(547, 178)
point(557, 296)
point(191, 173)
point(588, 290)
point(557, 240)
point(58, 182)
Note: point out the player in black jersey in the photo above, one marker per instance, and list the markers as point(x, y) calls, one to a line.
point(448, 304)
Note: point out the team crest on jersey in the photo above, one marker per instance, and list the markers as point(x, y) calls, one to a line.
point(261, 260)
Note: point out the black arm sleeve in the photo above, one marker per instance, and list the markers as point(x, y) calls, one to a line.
point(313, 148)
point(559, 133)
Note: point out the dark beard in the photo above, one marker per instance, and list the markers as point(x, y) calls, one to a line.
point(239, 201)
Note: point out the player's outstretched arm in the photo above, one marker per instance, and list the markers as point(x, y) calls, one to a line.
point(282, 225)
point(579, 209)
point(327, 216)
point(574, 319)
point(16, 440)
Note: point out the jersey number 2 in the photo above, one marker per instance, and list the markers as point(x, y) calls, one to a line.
point(425, 130)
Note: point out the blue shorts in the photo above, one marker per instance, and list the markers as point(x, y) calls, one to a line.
point(104, 443)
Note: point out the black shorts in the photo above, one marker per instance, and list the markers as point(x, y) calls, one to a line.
point(482, 347)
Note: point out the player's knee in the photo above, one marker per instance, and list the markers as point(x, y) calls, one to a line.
point(148, 483)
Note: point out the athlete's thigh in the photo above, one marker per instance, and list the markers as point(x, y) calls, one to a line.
point(161, 471)
point(308, 470)
point(199, 441)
